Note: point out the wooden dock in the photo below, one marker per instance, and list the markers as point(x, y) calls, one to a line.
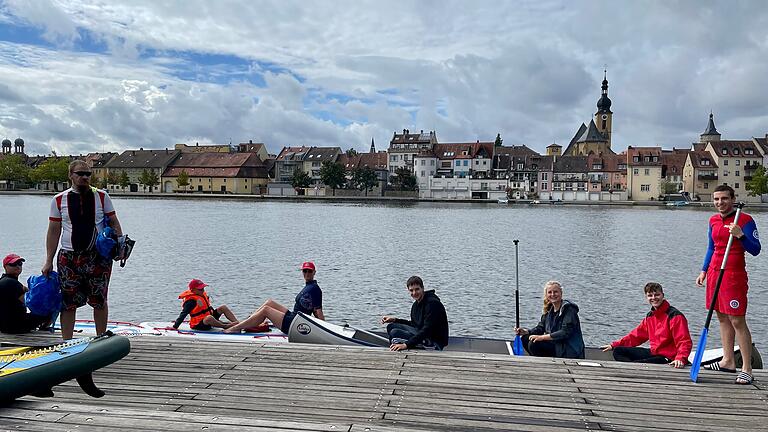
point(167, 384)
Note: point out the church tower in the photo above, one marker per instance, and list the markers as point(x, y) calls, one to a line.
point(604, 116)
point(711, 134)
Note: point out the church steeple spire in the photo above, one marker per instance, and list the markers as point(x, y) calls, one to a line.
point(711, 133)
point(373, 146)
point(604, 103)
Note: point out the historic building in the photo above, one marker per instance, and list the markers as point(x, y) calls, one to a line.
point(595, 138)
point(404, 147)
point(643, 173)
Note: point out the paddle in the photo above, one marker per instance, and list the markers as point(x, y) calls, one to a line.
point(696, 365)
point(517, 347)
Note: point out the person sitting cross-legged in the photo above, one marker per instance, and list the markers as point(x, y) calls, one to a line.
point(665, 328)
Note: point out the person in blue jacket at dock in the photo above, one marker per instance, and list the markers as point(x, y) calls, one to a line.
point(558, 333)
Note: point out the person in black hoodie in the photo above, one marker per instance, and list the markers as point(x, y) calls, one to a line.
point(428, 326)
point(558, 333)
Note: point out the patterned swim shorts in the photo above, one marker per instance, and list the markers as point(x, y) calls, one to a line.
point(84, 279)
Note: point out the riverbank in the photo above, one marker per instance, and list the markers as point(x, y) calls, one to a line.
point(290, 387)
point(379, 199)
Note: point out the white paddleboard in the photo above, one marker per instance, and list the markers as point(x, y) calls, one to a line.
point(165, 328)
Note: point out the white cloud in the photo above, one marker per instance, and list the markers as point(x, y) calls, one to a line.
point(529, 70)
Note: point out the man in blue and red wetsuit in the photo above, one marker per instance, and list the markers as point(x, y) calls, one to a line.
point(731, 304)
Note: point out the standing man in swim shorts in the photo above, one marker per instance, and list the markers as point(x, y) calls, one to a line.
point(731, 305)
point(74, 222)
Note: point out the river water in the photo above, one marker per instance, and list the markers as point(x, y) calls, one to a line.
point(250, 251)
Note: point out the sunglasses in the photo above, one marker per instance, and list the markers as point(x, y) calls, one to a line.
point(16, 264)
point(307, 271)
point(83, 173)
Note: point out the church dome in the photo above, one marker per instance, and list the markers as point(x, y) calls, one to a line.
point(6, 142)
point(604, 103)
point(19, 142)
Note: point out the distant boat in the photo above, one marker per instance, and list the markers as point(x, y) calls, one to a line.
point(503, 200)
point(534, 202)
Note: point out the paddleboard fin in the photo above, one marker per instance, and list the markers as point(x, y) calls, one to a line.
point(89, 387)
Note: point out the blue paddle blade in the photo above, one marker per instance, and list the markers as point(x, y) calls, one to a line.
point(517, 347)
point(696, 365)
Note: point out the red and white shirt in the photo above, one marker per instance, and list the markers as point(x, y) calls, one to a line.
point(80, 215)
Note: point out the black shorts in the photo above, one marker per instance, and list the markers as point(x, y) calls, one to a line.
point(287, 320)
point(206, 327)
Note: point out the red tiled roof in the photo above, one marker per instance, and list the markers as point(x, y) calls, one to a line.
point(642, 152)
point(730, 147)
point(217, 165)
point(698, 155)
point(457, 150)
point(674, 160)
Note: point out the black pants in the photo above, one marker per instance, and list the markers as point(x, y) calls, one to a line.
point(637, 355)
point(405, 332)
point(25, 323)
point(538, 349)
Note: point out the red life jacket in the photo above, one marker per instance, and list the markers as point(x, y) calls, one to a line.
point(202, 307)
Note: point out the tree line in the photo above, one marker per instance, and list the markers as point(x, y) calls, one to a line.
point(13, 169)
point(334, 176)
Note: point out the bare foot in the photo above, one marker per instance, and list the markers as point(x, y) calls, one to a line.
point(231, 330)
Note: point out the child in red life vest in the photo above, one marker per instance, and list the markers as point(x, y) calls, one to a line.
point(197, 305)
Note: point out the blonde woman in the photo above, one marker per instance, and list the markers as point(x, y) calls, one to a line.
point(558, 333)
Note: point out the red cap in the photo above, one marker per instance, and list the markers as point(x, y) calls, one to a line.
point(308, 265)
point(12, 258)
point(197, 284)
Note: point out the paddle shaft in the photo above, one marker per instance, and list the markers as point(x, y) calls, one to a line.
point(517, 287)
point(722, 269)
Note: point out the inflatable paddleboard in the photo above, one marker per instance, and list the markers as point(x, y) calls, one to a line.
point(35, 370)
point(122, 328)
point(165, 328)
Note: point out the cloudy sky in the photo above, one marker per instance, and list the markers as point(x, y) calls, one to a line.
point(79, 76)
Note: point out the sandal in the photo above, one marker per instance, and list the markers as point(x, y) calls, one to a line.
point(744, 378)
point(716, 367)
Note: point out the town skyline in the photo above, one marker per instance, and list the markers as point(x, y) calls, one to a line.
point(81, 77)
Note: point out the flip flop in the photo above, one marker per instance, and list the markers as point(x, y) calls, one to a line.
point(744, 378)
point(716, 367)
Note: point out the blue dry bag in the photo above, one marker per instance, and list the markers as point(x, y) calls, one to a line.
point(106, 241)
point(44, 295)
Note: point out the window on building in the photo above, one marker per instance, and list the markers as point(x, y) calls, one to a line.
point(735, 151)
point(749, 151)
point(706, 185)
point(545, 176)
point(432, 162)
point(738, 162)
point(645, 188)
point(466, 163)
point(735, 185)
point(725, 173)
point(458, 163)
point(647, 171)
point(636, 171)
point(544, 186)
point(737, 173)
point(636, 159)
point(724, 151)
point(725, 162)
point(422, 173)
point(594, 186)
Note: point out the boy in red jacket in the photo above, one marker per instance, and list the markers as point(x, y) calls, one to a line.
point(664, 327)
